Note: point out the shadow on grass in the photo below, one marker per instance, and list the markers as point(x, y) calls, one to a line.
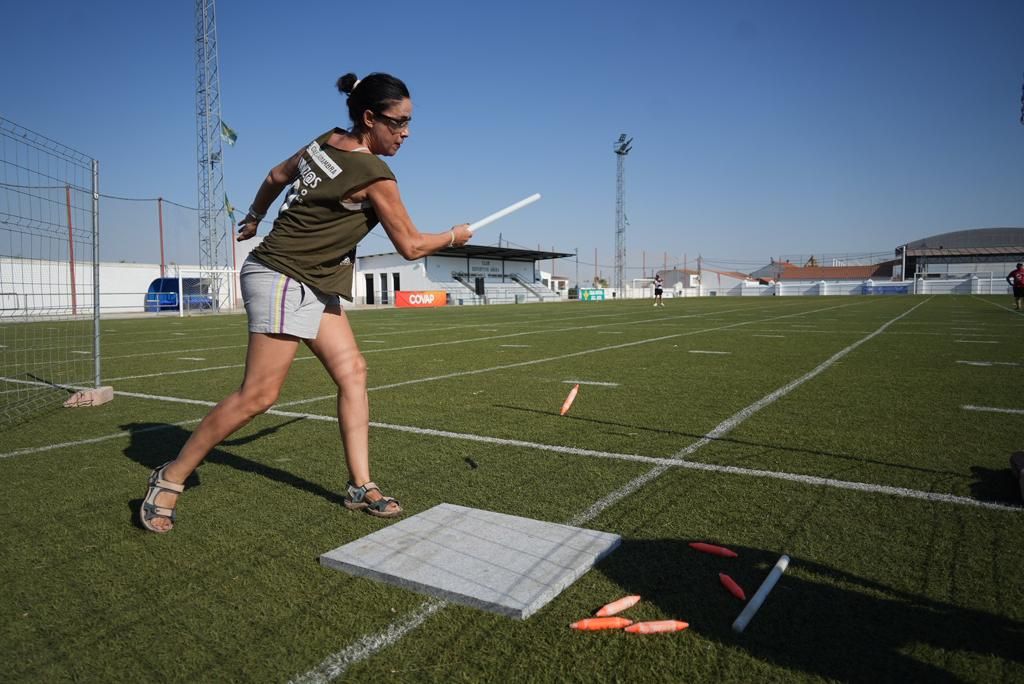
point(995, 485)
point(152, 444)
point(32, 403)
point(817, 619)
point(741, 442)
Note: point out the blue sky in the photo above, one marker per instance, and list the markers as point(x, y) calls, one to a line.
point(761, 128)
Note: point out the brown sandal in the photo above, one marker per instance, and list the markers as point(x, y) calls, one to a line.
point(357, 501)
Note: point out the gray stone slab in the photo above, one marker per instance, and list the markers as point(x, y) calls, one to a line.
point(500, 563)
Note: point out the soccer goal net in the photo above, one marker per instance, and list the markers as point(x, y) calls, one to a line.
point(49, 291)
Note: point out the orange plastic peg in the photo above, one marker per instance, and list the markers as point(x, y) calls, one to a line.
point(617, 606)
point(595, 623)
point(713, 550)
point(658, 626)
point(730, 584)
point(569, 399)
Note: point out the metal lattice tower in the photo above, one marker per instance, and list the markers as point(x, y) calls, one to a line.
point(622, 148)
point(213, 228)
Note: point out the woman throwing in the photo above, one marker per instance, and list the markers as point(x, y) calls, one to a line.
point(338, 190)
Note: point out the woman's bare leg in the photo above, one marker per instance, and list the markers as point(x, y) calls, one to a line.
point(266, 366)
point(335, 346)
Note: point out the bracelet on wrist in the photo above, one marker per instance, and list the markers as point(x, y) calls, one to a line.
point(255, 214)
point(451, 243)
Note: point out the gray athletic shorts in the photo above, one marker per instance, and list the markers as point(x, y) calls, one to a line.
point(278, 304)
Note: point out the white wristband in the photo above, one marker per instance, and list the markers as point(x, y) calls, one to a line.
point(451, 243)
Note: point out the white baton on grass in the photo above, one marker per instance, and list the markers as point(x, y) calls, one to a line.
point(762, 593)
point(504, 212)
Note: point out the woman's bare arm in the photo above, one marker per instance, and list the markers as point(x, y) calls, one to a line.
point(276, 180)
point(410, 242)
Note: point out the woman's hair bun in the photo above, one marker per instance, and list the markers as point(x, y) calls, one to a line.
point(346, 83)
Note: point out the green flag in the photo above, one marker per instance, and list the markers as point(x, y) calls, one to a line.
point(227, 134)
point(230, 209)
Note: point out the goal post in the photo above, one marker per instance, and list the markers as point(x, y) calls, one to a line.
point(49, 276)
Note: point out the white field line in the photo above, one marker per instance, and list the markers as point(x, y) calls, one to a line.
point(1000, 306)
point(988, 363)
point(590, 382)
point(406, 348)
point(191, 358)
point(992, 409)
point(190, 370)
point(976, 341)
point(165, 352)
point(768, 336)
point(516, 346)
point(560, 357)
point(94, 440)
point(929, 323)
point(239, 328)
point(790, 331)
point(702, 351)
point(336, 664)
point(153, 335)
point(975, 334)
point(863, 332)
point(179, 338)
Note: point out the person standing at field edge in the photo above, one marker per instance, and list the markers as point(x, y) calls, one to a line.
point(659, 283)
point(1016, 280)
point(338, 190)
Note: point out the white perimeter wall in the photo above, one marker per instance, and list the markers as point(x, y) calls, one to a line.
point(38, 287)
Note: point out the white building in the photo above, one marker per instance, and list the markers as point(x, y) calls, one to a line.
point(472, 274)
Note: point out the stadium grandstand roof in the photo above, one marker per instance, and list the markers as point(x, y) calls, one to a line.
point(491, 252)
point(974, 242)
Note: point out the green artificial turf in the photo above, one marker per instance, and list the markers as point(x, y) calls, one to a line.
point(848, 389)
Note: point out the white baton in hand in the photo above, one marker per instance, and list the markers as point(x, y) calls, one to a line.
point(504, 212)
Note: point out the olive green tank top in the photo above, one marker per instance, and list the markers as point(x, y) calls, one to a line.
point(315, 234)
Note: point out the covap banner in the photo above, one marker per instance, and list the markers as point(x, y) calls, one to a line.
point(413, 298)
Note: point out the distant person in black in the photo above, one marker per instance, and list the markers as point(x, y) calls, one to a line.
point(1016, 280)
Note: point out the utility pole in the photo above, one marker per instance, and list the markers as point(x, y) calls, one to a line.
point(577, 250)
point(622, 148)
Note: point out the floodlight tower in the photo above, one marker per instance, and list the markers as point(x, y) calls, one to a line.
point(622, 148)
point(213, 227)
